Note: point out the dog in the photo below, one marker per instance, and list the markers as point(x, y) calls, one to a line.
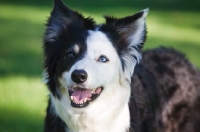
point(100, 80)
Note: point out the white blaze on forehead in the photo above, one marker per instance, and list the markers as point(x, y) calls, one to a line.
point(98, 44)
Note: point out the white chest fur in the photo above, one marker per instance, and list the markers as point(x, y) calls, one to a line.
point(119, 124)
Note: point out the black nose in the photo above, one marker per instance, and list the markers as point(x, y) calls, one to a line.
point(79, 76)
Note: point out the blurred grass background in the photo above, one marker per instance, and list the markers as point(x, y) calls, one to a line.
point(23, 96)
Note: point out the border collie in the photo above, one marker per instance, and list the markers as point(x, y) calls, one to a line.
point(97, 84)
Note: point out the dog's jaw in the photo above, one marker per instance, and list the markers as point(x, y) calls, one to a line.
point(94, 118)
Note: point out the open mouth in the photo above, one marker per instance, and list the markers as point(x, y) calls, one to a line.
point(81, 97)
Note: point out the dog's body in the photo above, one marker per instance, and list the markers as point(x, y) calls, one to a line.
point(96, 84)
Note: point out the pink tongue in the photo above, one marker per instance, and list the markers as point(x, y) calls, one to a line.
point(79, 95)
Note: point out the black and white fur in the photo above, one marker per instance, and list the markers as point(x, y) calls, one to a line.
point(159, 94)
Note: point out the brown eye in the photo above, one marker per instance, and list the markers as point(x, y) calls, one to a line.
point(70, 55)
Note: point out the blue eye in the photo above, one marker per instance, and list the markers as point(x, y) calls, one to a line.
point(103, 58)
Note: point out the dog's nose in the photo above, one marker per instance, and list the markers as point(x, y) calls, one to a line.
point(79, 76)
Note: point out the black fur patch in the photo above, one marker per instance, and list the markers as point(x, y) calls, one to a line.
point(53, 123)
point(65, 28)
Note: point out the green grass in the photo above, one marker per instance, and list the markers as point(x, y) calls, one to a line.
point(23, 96)
point(22, 104)
point(21, 40)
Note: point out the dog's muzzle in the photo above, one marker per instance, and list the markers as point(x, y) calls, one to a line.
point(81, 97)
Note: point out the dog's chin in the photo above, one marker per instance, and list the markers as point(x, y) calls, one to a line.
point(81, 97)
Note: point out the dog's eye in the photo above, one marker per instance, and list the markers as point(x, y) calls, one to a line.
point(70, 55)
point(103, 58)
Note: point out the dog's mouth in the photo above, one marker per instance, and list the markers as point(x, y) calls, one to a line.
point(81, 97)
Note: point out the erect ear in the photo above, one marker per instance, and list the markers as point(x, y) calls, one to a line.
point(61, 18)
point(131, 29)
point(60, 24)
point(130, 35)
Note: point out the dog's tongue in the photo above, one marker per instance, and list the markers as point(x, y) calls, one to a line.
point(80, 94)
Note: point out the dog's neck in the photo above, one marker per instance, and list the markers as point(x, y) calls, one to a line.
point(109, 113)
point(120, 123)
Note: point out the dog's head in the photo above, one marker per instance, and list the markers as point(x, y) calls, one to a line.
point(84, 60)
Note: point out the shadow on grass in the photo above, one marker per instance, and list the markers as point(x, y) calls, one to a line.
point(92, 5)
point(21, 48)
point(20, 121)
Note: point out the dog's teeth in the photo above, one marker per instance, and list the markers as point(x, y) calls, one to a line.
point(85, 100)
point(72, 97)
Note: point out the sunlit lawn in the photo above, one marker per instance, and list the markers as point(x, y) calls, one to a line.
point(23, 96)
point(22, 104)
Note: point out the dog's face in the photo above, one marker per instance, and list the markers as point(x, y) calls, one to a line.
point(84, 60)
point(98, 67)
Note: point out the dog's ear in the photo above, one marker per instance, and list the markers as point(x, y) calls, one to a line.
point(61, 23)
point(129, 34)
point(61, 18)
point(131, 30)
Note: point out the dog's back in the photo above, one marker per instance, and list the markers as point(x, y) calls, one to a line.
point(165, 93)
